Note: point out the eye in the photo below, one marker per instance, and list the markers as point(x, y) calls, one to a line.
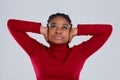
point(52, 26)
point(64, 27)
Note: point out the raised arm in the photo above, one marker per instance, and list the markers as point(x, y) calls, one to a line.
point(99, 32)
point(18, 29)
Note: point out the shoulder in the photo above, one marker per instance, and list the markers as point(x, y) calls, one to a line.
point(77, 48)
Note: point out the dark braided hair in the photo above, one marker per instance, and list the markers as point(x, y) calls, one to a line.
point(51, 17)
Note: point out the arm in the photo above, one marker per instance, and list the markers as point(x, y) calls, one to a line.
point(99, 32)
point(18, 29)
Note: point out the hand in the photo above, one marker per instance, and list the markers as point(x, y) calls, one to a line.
point(44, 32)
point(73, 33)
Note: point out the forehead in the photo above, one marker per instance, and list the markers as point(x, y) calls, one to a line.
point(60, 20)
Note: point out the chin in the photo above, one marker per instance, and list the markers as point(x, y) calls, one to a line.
point(59, 42)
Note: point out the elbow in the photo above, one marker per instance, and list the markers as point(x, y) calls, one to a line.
point(10, 23)
point(110, 28)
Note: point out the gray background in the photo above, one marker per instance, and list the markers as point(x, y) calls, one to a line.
point(104, 65)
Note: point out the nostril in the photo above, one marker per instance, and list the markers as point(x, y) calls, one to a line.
point(58, 31)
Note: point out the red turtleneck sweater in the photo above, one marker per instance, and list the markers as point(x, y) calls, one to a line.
point(58, 62)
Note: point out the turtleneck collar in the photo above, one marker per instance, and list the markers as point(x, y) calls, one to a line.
point(58, 47)
point(58, 51)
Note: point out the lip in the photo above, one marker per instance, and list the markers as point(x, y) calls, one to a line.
point(58, 37)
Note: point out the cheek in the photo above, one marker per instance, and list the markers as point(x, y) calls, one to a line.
point(50, 34)
point(66, 35)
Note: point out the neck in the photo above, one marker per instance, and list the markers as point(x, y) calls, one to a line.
point(58, 51)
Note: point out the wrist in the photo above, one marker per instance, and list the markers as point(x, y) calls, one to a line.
point(42, 29)
point(73, 33)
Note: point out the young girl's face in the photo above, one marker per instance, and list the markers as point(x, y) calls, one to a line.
point(59, 30)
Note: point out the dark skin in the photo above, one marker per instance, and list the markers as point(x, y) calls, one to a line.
point(58, 31)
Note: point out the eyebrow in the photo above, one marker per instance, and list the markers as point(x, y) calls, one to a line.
point(52, 23)
point(66, 24)
point(62, 24)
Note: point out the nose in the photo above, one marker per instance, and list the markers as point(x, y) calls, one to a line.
point(58, 31)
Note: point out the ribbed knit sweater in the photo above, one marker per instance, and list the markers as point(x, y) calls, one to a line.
point(58, 62)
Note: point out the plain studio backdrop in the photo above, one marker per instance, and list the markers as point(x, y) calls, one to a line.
point(103, 65)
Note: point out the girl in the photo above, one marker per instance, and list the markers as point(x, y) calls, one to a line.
point(58, 62)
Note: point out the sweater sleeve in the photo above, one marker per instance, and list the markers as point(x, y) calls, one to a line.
point(99, 32)
point(18, 29)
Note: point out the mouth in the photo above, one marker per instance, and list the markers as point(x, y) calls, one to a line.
point(58, 37)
